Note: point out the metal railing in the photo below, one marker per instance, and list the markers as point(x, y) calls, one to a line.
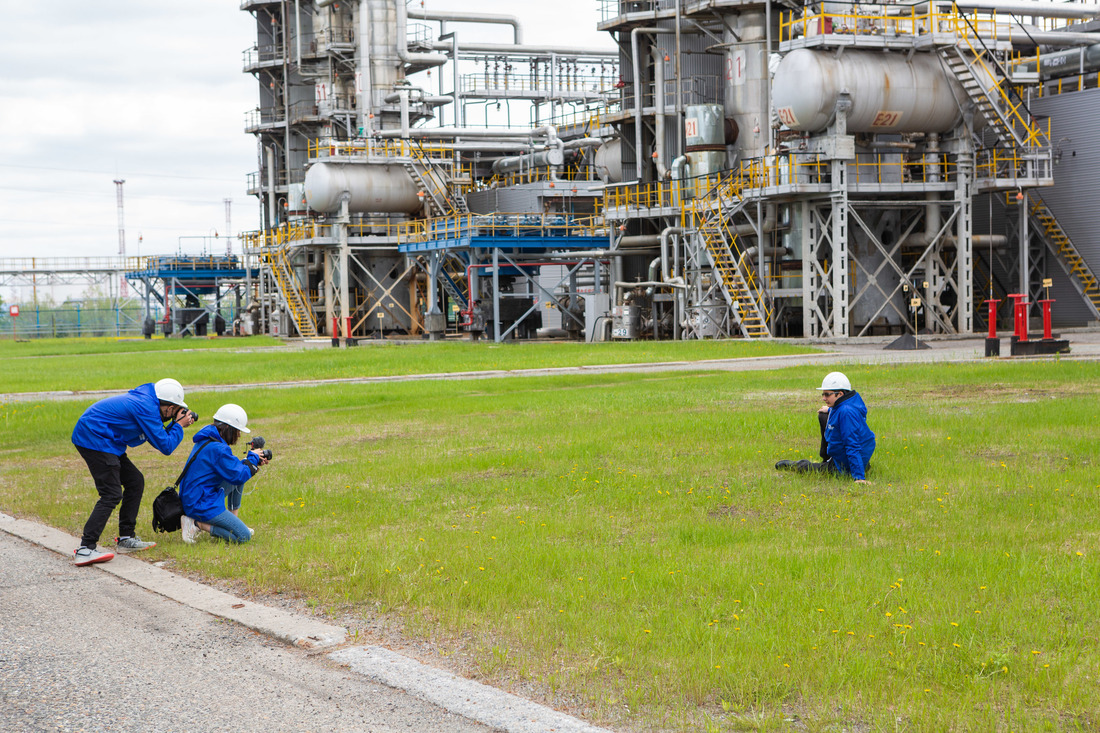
point(259, 55)
point(70, 264)
point(500, 225)
point(610, 9)
point(881, 20)
point(254, 119)
point(300, 232)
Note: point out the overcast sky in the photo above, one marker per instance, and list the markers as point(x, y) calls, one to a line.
point(154, 93)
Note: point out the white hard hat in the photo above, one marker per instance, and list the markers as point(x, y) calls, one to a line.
point(233, 416)
point(169, 390)
point(835, 381)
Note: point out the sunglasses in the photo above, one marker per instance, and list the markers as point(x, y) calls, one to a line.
point(829, 394)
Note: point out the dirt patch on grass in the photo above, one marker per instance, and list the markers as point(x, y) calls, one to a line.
point(728, 511)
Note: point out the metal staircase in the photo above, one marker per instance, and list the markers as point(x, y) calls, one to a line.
point(293, 298)
point(1071, 260)
point(985, 87)
point(433, 183)
point(739, 288)
point(454, 268)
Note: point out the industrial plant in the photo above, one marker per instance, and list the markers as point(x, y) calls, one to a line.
point(722, 169)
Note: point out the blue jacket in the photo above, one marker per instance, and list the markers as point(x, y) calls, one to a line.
point(850, 442)
point(126, 421)
point(201, 490)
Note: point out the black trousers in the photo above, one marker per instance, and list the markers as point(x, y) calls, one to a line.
point(116, 480)
point(826, 465)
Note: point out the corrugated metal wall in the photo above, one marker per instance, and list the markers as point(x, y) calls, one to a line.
point(1073, 199)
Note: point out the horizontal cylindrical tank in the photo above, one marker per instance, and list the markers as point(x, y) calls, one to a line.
point(609, 161)
point(383, 189)
point(889, 92)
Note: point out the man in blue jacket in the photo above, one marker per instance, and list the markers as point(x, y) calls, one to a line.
point(102, 435)
point(847, 444)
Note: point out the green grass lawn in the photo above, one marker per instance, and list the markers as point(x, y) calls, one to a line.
point(110, 363)
point(622, 541)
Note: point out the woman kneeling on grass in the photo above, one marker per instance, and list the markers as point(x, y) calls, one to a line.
point(212, 488)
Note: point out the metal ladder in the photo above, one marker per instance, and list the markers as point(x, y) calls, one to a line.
point(740, 292)
point(989, 96)
point(433, 183)
point(289, 289)
point(1059, 242)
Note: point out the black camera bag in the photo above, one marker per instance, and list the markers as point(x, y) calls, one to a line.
point(167, 507)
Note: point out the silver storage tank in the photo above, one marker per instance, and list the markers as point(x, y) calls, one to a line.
point(383, 189)
point(705, 138)
point(889, 93)
point(626, 321)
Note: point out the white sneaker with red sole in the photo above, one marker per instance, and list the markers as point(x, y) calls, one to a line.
point(86, 556)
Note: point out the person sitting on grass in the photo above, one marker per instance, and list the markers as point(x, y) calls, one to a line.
point(846, 442)
point(212, 487)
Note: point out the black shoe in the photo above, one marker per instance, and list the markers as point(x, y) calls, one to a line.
point(784, 465)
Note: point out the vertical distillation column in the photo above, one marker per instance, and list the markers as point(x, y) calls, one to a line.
point(746, 73)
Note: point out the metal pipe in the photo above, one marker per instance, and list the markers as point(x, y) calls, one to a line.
point(678, 105)
point(418, 95)
point(584, 142)
point(636, 66)
point(552, 158)
point(921, 240)
point(751, 253)
point(298, 32)
point(446, 133)
point(1022, 35)
point(363, 66)
point(460, 113)
point(767, 225)
point(456, 17)
point(272, 212)
point(767, 66)
point(601, 253)
point(1027, 7)
point(665, 234)
point(659, 100)
point(403, 96)
point(635, 240)
point(505, 49)
point(431, 59)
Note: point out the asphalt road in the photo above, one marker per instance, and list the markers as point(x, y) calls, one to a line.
point(82, 650)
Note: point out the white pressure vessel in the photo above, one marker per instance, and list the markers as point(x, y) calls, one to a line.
point(383, 189)
point(889, 92)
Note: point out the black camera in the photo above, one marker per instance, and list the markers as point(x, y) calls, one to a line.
point(257, 443)
point(194, 415)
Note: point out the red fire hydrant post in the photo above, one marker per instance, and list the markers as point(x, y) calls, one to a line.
point(1047, 332)
point(1019, 309)
point(992, 343)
